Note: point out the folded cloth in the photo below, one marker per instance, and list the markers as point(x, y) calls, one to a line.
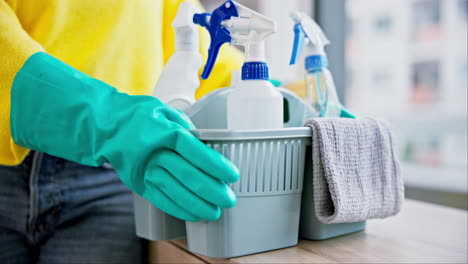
point(356, 173)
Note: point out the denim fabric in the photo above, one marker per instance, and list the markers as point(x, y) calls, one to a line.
point(57, 211)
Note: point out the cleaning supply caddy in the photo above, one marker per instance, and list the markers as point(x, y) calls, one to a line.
point(274, 154)
point(270, 158)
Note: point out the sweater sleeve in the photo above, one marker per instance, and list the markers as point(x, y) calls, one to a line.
point(16, 46)
point(229, 58)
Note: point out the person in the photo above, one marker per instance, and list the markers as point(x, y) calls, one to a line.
point(78, 132)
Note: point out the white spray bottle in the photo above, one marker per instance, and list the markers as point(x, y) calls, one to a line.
point(254, 102)
point(320, 88)
point(179, 81)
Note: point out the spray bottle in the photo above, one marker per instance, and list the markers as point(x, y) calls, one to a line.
point(254, 102)
point(179, 78)
point(320, 88)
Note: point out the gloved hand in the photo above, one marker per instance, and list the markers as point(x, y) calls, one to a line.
point(60, 111)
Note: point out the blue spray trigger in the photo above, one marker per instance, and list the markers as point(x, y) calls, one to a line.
point(299, 42)
point(218, 34)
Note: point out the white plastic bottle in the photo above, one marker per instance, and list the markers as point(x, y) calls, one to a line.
point(236, 77)
point(179, 81)
point(254, 102)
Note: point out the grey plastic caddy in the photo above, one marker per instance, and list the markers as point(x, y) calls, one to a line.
point(273, 164)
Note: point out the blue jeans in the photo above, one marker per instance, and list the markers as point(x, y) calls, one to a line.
point(57, 211)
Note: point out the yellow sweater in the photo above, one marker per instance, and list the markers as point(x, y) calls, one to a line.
point(124, 43)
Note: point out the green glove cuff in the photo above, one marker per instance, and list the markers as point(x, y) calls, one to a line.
point(50, 109)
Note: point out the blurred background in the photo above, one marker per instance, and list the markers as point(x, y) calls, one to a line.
point(401, 60)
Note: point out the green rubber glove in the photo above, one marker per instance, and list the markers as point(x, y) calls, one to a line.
point(60, 111)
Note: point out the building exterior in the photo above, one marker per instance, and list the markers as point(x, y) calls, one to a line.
point(407, 62)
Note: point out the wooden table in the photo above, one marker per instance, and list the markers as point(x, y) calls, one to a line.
point(420, 233)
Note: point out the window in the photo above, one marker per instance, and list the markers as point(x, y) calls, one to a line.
point(417, 79)
point(425, 82)
point(425, 19)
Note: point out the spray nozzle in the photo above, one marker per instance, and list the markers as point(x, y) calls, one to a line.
point(237, 24)
point(306, 31)
point(218, 34)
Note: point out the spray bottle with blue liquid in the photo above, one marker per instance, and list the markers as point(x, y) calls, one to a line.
point(254, 102)
point(320, 88)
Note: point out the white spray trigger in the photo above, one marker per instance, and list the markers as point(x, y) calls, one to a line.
point(250, 29)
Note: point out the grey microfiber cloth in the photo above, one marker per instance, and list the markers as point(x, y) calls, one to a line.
point(356, 174)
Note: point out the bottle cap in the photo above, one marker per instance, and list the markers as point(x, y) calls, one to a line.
point(314, 62)
point(255, 71)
